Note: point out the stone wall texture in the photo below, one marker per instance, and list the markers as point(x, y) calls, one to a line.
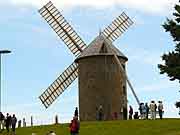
point(101, 83)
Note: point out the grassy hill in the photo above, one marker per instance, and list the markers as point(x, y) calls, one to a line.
point(134, 127)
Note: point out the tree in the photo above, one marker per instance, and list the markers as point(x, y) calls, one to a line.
point(171, 60)
point(177, 104)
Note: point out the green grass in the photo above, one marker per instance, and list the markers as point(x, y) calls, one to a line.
point(134, 127)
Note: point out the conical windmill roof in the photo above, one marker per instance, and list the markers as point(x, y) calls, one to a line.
point(101, 46)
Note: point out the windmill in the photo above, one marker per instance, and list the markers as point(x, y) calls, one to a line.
point(101, 80)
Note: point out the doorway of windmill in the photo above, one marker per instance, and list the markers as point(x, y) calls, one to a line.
point(125, 113)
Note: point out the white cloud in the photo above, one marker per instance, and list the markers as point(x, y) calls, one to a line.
point(151, 6)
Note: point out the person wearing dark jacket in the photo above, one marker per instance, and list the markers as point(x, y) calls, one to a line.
point(130, 112)
point(76, 112)
point(100, 113)
point(8, 122)
point(147, 110)
point(74, 126)
point(13, 123)
point(160, 109)
point(1, 121)
point(155, 109)
point(136, 116)
point(141, 110)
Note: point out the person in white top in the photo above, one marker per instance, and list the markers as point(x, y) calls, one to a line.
point(152, 110)
point(143, 111)
point(160, 109)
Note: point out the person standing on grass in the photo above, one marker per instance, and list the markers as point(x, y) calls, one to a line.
point(8, 122)
point(74, 126)
point(19, 123)
point(130, 112)
point(100, 112)
point(152, 110)
point(143, 111)
point(155, 109)
point(136, 116)
point(76, 112)
point(160, 109)
point(147, 110)
point(115, 115)
point(1, 121)
point(13, 122)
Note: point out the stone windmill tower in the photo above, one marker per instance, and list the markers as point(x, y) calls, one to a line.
point(100, 67)
point(100, 82)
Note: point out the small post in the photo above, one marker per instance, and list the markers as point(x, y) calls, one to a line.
point(31, 121)
point(56, 119)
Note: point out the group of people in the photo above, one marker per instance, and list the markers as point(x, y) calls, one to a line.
point(146, 109)
point(8, 122)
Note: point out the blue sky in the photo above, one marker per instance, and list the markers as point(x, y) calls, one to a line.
point(38, 56)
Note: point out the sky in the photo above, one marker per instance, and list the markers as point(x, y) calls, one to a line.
point(38, 56)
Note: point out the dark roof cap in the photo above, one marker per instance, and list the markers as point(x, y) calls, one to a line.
point(101, 46)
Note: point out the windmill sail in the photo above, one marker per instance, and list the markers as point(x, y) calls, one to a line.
point(59, 85)
point(63, 29)
point(112, 32)
point(125, 75)
point(117, 27)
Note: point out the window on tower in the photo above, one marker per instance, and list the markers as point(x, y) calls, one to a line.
point(123, 65)
point(124, 90)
